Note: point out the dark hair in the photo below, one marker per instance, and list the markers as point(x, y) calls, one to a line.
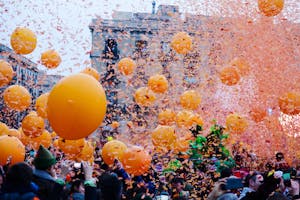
point(251, 176)
point(279, 156)
point(177, 180)
point(19, 174)
point(75, 185)
point(226, 172)
point(110, 186)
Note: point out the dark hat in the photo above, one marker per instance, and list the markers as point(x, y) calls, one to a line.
point(233, 183)
point(43, 159)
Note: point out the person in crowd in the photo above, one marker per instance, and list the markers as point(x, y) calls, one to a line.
point(252, 183)
point(45, 177)
point(281, 164)
point(178, 192)
point(18, 184)
point(77, 190)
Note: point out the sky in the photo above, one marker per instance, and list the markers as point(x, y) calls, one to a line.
point(62, 25)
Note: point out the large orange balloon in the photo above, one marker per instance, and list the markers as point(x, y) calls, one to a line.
point(112, 150)
point(17, 97)
point(166, 117)
point(190, 99)
point(270, 7)
point(136, 161)
point(11, 147)
point(51, 59)
point(229, 76)
point(163, 137)
point(4, 130)
point(75, 109)
point(41, 105)
point(158, 83)
point(33, 125)
point(126, 66)
point(44, 139)
point(23, 40)
point(144, 96)
point(181, 43)
point(289, 103)
point(92, 72)
point(6, 73)
point(236, 123)
point(71, 147)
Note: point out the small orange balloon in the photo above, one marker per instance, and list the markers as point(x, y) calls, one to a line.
point(87, 152)
point(190, 99)
point(24, 139)
point(144, 96)
point(126, 66)
point(41, 105)
point(181, 43)
point(158, 83)
point(55, 143)
point(270, 7)
point(12, 149)
point(23, 41)
point(240, 65)
point(14, 132)
point(258, 114)
point(74, 109)
point(92, 72)
point(181, 145)
point(17, 97)
point(136, 161)
point(112, 150)
point(166, 117)
point(196, 119)
point(50, 59)
point(236, 124)
point(163, 137)
point(229, 76)
point(115, 124)
point(6, 73)
point(183, 118)
point(71, 147)
point(44, 139)
point(4, 130)
point(33, 125)
point(289, 103)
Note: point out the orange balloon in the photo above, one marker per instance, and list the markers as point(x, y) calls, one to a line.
point(196, 119)
point(24, 139)
point(44, 139)
point(181, 43)
point(158, 83)
point(236, 123)
point(50, 59)
point(112, 150)
point(33, 125)
point(71, 147)
point(270, 7)
point(144, 96)
point(181, 145)
point(4, 130)
point(229, 76)
point(55, 143)
point(289, 103)
point(41, 105)
point(17, 97)
point(183, 118)
point(11, 148)
point(126, 66)
point(75, 109)
point(258, 114)
point(136, 161)
point(23, 40)
point(6, 73)
point(166, 117)
point(87, 152)
point(190, 99)
point(163, 137)
point(14, 132)
point(240, 65)
point(53, 134)
point(92, 72)
point(115, 124)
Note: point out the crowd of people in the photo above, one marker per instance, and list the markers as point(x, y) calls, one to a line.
point(46, 174)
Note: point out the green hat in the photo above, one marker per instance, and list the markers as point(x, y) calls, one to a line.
point(43, 159)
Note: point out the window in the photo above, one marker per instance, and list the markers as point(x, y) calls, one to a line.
point(111, 49)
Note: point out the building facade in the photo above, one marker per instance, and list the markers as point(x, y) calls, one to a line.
point(26, 74)
point(144, 37)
